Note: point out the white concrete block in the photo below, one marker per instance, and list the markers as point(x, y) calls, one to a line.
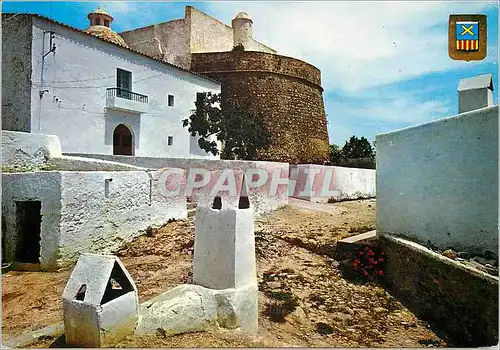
point(100, 302)
point(224, 248)
point(193, 308)
point(186, 308)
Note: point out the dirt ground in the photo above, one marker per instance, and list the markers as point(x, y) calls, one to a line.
point(293, 243)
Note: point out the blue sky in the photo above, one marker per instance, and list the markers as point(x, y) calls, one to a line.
point(384, 65)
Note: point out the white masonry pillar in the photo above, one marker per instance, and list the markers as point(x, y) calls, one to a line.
point(224, 254)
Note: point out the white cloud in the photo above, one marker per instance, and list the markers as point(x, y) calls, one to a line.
point(357, 45)
point(397, 110)
point(118, 7)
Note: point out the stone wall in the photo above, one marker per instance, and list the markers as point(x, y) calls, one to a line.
point(16, 72)
point(285, 91)
point(437, 182)
point(168, 41)
point(460, 303)
point(175, 40)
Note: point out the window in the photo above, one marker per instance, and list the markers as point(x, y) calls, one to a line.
point(170, 100)
point(170, 140)
point(106, 23)
point(200, 96)
point(123, 83)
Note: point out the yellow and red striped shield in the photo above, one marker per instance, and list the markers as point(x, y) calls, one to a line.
point(467, 36)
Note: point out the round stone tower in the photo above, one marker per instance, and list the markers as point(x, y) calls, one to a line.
point(284, 91)
point(242, 30)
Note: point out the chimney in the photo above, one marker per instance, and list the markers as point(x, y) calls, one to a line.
point(475, 93)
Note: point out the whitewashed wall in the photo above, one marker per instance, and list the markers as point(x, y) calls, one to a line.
point(82, 213)
point(40, 186)
point(438, 182)
point(78, 73)
point(265, 198)
point(319, 183)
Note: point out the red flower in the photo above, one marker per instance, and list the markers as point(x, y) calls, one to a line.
point(380, 259)
point(381, 253)
point(367, 248)
point(361, 253)
point(380, 272)
point(365, 273)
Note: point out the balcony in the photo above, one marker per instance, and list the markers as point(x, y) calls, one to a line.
point(127, 101)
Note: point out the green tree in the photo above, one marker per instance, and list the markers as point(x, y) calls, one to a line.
point(335, 154)
point(241, 132)
point(357, 148)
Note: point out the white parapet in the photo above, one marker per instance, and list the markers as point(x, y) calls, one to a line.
point(100, 302)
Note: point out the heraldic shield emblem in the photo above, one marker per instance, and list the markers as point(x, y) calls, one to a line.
point(467, 37)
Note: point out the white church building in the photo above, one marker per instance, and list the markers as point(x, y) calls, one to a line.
point(93, 91)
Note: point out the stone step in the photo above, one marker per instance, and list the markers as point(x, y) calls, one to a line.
point(347, 245)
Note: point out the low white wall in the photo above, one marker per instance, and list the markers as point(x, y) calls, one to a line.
point(111, 212)
point(265, 198)
point(82, 212)
point(23, 151)
point(20, 149)
point(318, 183)
point(438, 182)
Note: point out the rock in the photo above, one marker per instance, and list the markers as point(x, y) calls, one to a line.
point(463, 255)
point(274, 285)
point(339, 316)
point(450, 254)
point(380, 310)
point(408, 324)
point(299, 315)
point(349, 311)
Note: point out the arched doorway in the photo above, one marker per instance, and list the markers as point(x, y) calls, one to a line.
point(123, 144)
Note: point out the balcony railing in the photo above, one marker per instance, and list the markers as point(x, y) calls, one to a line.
point(126, 94)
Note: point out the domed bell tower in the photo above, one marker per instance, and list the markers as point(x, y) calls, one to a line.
point(100, 18)
point(242, 30)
